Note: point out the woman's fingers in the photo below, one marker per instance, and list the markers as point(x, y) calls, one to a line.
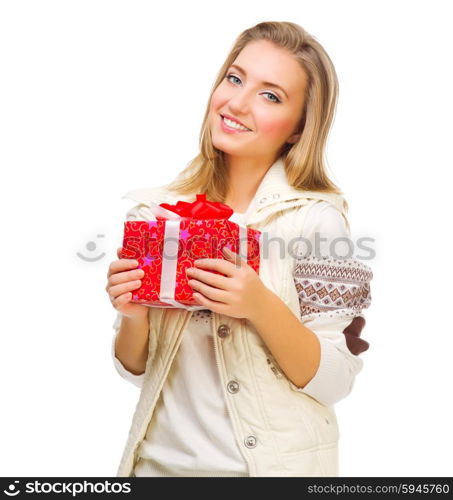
point(118, 278)
point(120, 265)
point(209, 291)
point(121, 300)
point(123, 278)
point(118, 290)
point(208, 277)
point(220, 265)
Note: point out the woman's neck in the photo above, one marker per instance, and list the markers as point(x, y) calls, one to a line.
point(245, 176)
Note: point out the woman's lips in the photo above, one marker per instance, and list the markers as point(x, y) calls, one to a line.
point(230, 130)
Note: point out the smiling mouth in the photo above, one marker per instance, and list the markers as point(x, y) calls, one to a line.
point(234, 125)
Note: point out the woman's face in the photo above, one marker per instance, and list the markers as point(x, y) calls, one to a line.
point(270, 113)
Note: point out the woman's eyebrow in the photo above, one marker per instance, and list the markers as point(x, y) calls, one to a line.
point(268, 84)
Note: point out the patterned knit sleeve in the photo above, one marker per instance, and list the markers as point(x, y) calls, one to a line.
point(139, 212)
point(333, 288)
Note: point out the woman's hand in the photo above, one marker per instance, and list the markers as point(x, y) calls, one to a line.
point(123, 278)
point(237, 294)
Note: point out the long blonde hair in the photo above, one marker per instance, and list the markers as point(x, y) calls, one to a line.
point(304, 161)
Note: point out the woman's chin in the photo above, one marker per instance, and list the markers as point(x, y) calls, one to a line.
point(228, 149)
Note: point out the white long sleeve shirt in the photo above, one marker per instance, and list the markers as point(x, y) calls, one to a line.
point(190, 433)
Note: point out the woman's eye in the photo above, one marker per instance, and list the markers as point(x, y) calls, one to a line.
point(274, 96)
point(232, 76)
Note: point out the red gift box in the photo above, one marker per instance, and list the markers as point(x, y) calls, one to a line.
point(166, 247)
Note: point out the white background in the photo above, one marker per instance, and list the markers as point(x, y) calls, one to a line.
point(101, 97)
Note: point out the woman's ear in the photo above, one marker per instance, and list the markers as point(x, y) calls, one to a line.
point(293, 139)
point(297, 133)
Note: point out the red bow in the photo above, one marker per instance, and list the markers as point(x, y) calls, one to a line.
point(200, 209)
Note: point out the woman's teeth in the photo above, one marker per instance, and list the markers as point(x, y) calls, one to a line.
point(234, 124)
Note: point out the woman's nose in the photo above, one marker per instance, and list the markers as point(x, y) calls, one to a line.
point(240, 103)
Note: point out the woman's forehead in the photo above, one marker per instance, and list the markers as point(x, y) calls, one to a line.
point(263, 61)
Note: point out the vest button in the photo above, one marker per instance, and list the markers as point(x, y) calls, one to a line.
point(250, 441)
point(233, 387)
point(223, 331)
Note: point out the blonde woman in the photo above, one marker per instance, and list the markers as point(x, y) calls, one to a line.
point(246, 385)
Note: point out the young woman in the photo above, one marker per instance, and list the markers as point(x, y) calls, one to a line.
point(245, 386)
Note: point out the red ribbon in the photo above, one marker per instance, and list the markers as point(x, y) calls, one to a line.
point(200, 209)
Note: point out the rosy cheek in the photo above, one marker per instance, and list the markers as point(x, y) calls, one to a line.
point(274, 128)
point(217, 100)
point(214, 109)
